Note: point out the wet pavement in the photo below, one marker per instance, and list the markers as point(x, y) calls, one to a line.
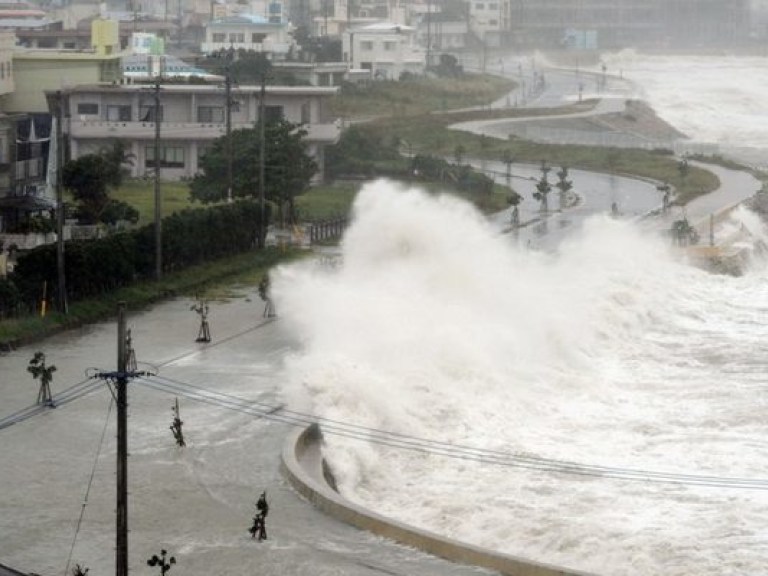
point(197, 502)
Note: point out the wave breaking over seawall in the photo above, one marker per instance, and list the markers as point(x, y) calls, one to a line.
point(609, 353)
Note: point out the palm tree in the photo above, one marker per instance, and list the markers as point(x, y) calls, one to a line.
point(543, 187)
point(563, 185)
point(44, 373)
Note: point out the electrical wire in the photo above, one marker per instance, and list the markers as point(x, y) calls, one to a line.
point(72, 393)
point(278, 413)
point(214, 344)
point(88, 488)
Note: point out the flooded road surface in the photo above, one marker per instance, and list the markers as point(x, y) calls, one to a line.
point(196, 502)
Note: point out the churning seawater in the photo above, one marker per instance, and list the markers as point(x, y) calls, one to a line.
point(611, 353)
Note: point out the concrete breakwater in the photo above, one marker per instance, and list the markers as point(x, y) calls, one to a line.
point(304, 467)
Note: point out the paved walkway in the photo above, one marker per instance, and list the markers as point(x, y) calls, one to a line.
point(564, 87)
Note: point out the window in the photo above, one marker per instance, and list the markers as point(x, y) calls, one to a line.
point(237, 37)
point(479, 6)
point(147, 113)
point(235, 106)
point(389, 46)
point(170, 157)
point(257, 38)
point(119, 113)
point(493, 22)
point(366, 45)
point(210, 114)
point(306, 113)
point(219, 37)
point(493, 6)
point(88, 108)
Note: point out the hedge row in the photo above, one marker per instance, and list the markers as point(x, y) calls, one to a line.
point(95, 267)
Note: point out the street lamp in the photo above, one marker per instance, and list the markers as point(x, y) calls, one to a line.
point(164, 566)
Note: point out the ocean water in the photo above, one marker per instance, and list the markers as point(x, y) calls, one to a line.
point(612, 353)
point(712, 99)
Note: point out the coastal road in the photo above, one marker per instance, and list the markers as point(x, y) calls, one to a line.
point(197, 502)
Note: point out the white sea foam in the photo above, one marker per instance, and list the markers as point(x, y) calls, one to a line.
point(715, 99)
point(611, 353)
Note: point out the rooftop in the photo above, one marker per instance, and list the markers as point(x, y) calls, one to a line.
point(57, 54)
point(241, 19)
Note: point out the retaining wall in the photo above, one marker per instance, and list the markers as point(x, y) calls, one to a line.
point(305, 469)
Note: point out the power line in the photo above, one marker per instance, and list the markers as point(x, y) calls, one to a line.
point(278, 413)
point(88, 488)
point(412, 443)
point(382, 437)
point(72, 393)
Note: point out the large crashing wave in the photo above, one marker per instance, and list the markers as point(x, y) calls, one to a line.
point(611, 352)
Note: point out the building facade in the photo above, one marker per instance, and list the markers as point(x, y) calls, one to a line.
point(38, 71)
point(249, 32)
point(191, 118)
point(387, 50)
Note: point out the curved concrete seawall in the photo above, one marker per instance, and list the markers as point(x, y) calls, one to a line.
point(305, 469)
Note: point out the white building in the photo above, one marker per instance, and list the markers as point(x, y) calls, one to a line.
point(386, 49)
point(192, 117)
point(441, 34)
point(488, 19)
point(249, 32)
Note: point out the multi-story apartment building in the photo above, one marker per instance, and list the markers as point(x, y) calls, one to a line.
point(36, 71)
point(23, 145)
point(191, 118)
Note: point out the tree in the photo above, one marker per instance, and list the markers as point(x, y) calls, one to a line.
point(543, 188)
point(44, 373)
point(90, 177)
point(458, 154)
point(287, 173)
point(563, 185)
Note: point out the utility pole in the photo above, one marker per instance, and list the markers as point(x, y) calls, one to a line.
point(60, 268)
point(119, 379)
point(262, 165)
point(429, 33)
point(121, 385)
point(228, 96)
point(158, 203)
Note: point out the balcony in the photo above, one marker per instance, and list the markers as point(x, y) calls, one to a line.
point(99, 129)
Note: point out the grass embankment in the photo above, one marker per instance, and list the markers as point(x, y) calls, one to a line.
point(214, 280)
point(418, 96)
